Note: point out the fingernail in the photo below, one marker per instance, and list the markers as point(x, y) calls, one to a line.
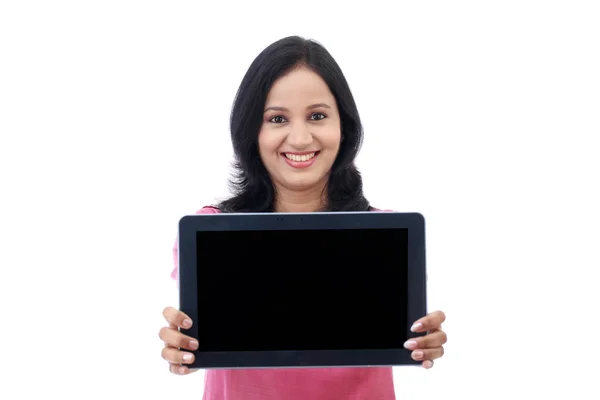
point(187, 323)
point(193, 344)
point(416, 327)
point(187, 357)
point(428, 364)
point(418, 355)
point(410, 344)
point(181, 370)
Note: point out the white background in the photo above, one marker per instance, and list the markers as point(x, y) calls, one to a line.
point(484, 116)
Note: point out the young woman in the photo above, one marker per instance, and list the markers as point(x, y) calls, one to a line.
point(296, 132)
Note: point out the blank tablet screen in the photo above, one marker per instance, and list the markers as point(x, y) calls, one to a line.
point(302, 289)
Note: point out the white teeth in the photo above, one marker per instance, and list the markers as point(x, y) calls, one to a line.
point(304, 157)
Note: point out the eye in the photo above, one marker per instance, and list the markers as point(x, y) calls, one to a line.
point(277, 119)
point(318, 116)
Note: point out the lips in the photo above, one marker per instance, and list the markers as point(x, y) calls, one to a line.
point(300, 157)
point(300, 160)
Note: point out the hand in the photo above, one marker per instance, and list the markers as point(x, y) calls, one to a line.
point(174, 340)
point(430, 346)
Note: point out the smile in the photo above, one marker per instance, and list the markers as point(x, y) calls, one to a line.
point(300, 160)
point(298, 157)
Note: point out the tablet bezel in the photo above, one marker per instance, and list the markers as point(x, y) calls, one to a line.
point(187, 280)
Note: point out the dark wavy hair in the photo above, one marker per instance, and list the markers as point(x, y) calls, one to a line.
point(252, 187)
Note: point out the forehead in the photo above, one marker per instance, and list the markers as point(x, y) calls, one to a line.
point(299, 87)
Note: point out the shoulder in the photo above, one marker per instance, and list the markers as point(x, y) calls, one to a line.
point(208, 210)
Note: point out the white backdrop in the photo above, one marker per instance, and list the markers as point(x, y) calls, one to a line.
point(484, 116)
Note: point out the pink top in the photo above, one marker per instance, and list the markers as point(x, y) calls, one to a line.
point(354, 383)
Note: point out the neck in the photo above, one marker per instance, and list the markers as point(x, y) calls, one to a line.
point(310, 200)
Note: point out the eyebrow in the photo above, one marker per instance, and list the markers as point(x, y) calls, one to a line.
point(312, 106)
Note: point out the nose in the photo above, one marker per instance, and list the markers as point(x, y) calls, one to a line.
point(299, 136)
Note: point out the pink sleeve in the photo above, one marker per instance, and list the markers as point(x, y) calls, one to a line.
point(174, 273)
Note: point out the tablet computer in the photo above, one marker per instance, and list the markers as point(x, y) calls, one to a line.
point(321, 289)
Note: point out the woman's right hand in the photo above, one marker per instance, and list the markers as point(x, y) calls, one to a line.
point(174, 340)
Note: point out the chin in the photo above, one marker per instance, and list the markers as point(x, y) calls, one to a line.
point(302, 183)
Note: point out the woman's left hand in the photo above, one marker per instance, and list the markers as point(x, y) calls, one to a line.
point(429, 347)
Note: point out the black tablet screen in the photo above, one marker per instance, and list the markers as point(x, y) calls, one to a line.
point(302, 290)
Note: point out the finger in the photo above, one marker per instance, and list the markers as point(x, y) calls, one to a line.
point(176, 356)
point(427, 354)
point(177, 318)
point(427, 364)
point(179, 369)
point(174, 338)
point(436, 339)
point(430, 322)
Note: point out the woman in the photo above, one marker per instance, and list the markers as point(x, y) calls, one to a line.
point(296, 132)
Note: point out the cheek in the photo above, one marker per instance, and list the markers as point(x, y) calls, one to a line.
point(268, 143)
point(331, 140)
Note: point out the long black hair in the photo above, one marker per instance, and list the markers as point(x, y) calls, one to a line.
point(253, 190)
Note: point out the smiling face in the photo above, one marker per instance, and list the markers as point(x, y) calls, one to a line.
point(301, 131)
